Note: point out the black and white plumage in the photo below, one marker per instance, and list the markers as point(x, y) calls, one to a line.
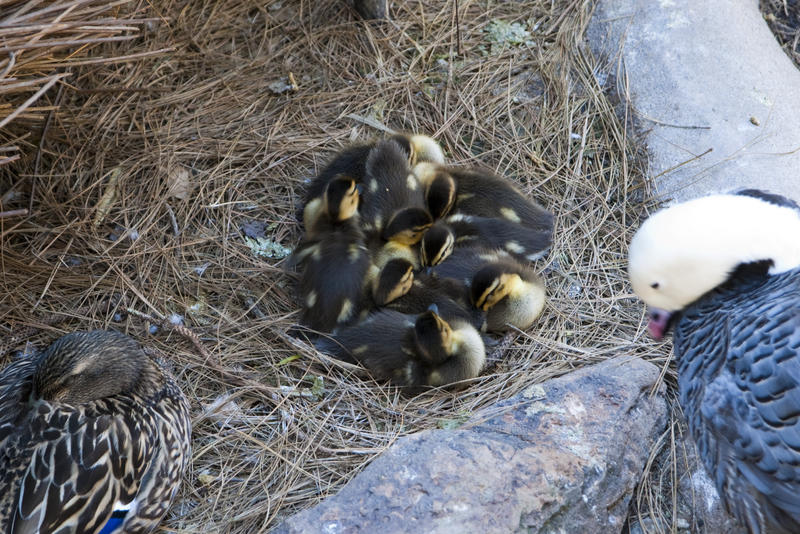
point(92, 432)
point(725, 271)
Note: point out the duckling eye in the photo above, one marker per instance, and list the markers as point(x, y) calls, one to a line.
point(655, 285)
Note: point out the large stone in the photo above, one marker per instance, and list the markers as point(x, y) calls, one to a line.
point(705, 75)
point(562, 457)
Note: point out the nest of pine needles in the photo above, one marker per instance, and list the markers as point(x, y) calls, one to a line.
point(163, 170)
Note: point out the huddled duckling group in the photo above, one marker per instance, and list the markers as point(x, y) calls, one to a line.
point(406, 262)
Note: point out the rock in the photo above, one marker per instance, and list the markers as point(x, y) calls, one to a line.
point(564, 456)
point(705, 76)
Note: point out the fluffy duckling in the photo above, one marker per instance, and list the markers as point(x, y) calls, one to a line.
point(94, 437)
point(352, 162)
point(334, 259)
point(724, 271)
point(398, 288)
point(481, 193)
point(411, 351)
point(508, 291)
point(394, 204)
point(469, 230)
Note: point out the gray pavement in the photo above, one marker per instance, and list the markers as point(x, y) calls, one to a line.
point(708, 83)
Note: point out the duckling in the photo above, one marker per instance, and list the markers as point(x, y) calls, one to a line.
point(94, 436)
point(481, 193)
point(334, 258)
point(506, 289)
point(398, 288)
point(509, 293)
point(393, 204)
point(338, 203)
point(469, 230)
point(411, 351)
point(352, 162)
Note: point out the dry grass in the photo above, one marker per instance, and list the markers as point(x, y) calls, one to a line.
point(40, 46)
point(279, 426)
point(783, 18)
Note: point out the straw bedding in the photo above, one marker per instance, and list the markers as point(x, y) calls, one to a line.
point(163, 181)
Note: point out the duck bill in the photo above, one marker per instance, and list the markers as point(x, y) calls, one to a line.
point(658, 322)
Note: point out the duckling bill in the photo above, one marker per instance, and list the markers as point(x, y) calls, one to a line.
point(93, 434)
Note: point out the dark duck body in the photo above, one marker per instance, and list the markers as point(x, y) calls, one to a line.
point(723, 272)
point(94, 435)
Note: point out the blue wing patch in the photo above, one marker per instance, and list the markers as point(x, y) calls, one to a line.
point(115, 522)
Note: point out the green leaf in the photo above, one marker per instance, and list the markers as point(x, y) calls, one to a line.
point(289, 359)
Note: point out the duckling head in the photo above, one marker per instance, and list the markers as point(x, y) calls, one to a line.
point(419, 148)
point(394, 281)
point(341, 198)
point(453, 351)
point(433, 337)
point(424, 148)
point(681, 252)
point(86, 366)
point(407, 226)
point(437, 244)
point(440, 194)
point(506, 297)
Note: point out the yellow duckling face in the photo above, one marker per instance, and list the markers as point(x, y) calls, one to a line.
point(433, 336)
point(341, 198)
point(489, 288)
point(407, 226)
point(394, 281)
point(437, 245)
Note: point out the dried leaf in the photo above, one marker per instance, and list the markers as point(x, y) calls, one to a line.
point(180, 183)
point(107, 200)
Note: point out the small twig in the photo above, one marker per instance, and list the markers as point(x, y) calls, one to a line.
point(13, 213)
point(458, 28)
point(229, 377)
point(116, 59)
point(9, 159)
point(682, 163)
point(12, 60)
point(45, 128)
point(185, 331)
point(174, 221)
point(378, 125)
point(32, 99)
